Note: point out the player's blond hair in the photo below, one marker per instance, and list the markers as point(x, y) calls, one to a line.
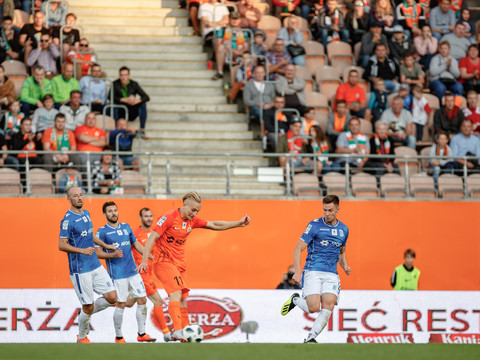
point(192, 195)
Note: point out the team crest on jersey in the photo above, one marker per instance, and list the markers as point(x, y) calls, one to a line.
point(85, 219)
point(341, 233)
point(189, 229)
point(125, 232)
point(65, 225)
point(120, 232)
point(184, 225)
point(307, 230)
point(161, 220)
point(334, 232)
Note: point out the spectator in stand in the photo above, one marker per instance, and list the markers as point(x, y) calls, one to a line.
point(231, 38)
point(308, 7)
point(70, 36)
point(94, 90)
point(472, 111)
point(31, 33)
point(357, 21)
point(470, 69)
point(420, 110)
point(90, 138)
point(207, 20)
point(281, 7)
point(243, 74)
point(442, 19)
point(399, 45)
point(448, 118)
point(382, 15)
point(59, 139)
point(63, 85)
point(444, 72)
point(411, 72)
point(378, 100)
point(7, 90)
point(125, 135)
point(404, 93)
point(12, 37)
point(250, 15)
point(293, 39)
point(258, 95)
point(465, 19)
point(308, 120)
point(25, 140)
point(369, 40)
point(352, 141)
point(106, 173)
point(74, 111)
point(321, 147)
point(269, 118)
point(400, 124)
point(411, 17)
point(278, 59)
point(382, 66)
point(353, 94)
point(331, 24)
point(45, 55)
point(83, 56)
point(458, 42)
point(259, 46)
point(425, 46)
point(5, 159)
point(287, 143)
point(337, 122)
point(292, 88)
point(465, 143)
point(438, 163)
point(11, 120)
point(128, 92)
point(287, 281)
point(34, 88)
point(383, 146)
point(44, 117)
point(57, 12)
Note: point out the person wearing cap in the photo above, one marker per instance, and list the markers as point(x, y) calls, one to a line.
point(259, 46)
point(399, 44)
point(369, 40)
point(250, 15)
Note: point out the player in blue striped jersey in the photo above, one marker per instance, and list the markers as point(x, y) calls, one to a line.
point(325, 239)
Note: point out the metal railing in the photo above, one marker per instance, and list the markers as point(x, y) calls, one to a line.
point(92, 80)
point(113, 106)
point(77, 27)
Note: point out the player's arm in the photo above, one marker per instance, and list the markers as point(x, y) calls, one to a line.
point(139, 247)
point(342, 260)
point(225, 225)
point(63, 245)
point(297, 260)
point(146, 251)
point(99, 242)
point(103, 255)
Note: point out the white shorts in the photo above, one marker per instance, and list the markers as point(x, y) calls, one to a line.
point(320, 282)
point(85, 284)
point(132, 285)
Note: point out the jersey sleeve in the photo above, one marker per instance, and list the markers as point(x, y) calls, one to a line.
point(199, 223)
point(309, 234)
point(101, 235)
point(163, 223)
point(65, 228)
point(346, 236)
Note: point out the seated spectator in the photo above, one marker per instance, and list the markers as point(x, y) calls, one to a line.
point(287, 143)
point(83, 57)
point(94, 90)
point(465, 19)
point(444, 72)
point(45, 55)
point(331, 24)
point(420, 110)
point(309, 7)
point(243, 74)
point(258, 95)
point(105, 173)
point(399, 45)
point(31, 33)
point(352, 141)
point(34, 88)
point(259, 46)
point(337, 122)
point(207, 20)
point(70, 36)
point(426, 47)
point(59, 139)
point(472, 111)
point(357, 21)
point(404, 93)
point(382, 66)
point(378, 100)
point(293, 39)
point(438, 163)
point(7, 90)
point(129, 93)
point(448, 118)
point(232, 38)
point(292, 88)
point(278, 59)
point(12, 37)
point(308, 120)
point(10, 161)
point(321, 147)
point(90, 138)
point(353, 94)
point(383, 146)
point(369, 41)
point(411, 17)
point(69, 179)
point(250, 14)
point(57, 11)
point(25, 140)
point(411, 72)
point(272, 116)
point(287, 281)
point(74, 111)
point(283, 7)
point(442, 19)
point(399, 122)
point(44, 117)
point(382, 15)
point(11, 119)
point(458, 42)
point(63, 85)
point(125, 135)
point(470, 69)
point(465, 143)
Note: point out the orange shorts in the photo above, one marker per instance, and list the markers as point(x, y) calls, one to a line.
point(150, 286)
point(171, 278)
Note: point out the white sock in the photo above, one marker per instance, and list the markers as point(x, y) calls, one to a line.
point(301, 303)
point(117, 321)
point(319, 323)
point(141, 318)
point(83, 325)
point(100, 304)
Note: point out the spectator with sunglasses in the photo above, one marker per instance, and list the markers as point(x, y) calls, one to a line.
point(84, 57)
point(45, 55)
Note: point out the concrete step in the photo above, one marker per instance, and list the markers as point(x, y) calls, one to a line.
point(151, 48)
point(210, 180)
point(106, 12)
point(216, 192)
point(179, 108)
point(154, 65)
point(148, 56)
point(142, 39)
point(163, 120)
point(180, 82)
point(181, 91)
point(192, 75)
point(223, 127)
point(137, 4)
point(131, 21)
point(235, 162)
point(178, 99)
point(179, 144)
point(199, 135)
point(99, 29)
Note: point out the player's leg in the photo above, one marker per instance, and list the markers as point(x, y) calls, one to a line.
point(83, 286)
point(158, 313)
point(137, 290)
point(183, 303)
point(311, 289)
point(103, 284)
point(122, 292)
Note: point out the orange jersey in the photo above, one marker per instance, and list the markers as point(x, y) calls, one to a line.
point(173, 231)
point(142, 237)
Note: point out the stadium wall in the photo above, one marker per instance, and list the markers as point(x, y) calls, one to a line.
point(444, 234)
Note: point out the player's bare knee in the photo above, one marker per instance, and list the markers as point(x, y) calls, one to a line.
point(142, 301)
point(87, 309)
point(120, 305)
point(313, 308)
point(111, 297)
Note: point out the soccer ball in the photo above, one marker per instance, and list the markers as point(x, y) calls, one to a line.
point(193, 333)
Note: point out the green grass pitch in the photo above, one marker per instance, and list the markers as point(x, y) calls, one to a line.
point(238, 351)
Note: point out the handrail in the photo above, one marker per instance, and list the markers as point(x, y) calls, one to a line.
point(113, 106)
point(75, 60)
point(77, 27)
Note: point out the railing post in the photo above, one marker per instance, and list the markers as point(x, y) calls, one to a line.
point(149, 174)
point(27, 175)
point(89, 174)
point(287, 175)
point(228, 167)
point(347, 177)
point(465, 176)
point(167, 174)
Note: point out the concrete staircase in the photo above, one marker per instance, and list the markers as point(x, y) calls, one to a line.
point(187, 111)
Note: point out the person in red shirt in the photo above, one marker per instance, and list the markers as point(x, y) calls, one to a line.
point(90, 138)
point(354, 96)
point(168, 240)
point(470, 69)
point(472, 111)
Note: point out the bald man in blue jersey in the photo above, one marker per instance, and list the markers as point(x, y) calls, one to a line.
point(326, 240)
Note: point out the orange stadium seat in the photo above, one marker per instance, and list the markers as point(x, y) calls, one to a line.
point(392, 186)
point(132, 182)
point(364, 185)
point(473, 186)
point(10, 181)
point(41, 181)
point(422, 186)
point(335, 183)
point(304, 73)
point(450, 186)
point(306, 185)
point(413, 164)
